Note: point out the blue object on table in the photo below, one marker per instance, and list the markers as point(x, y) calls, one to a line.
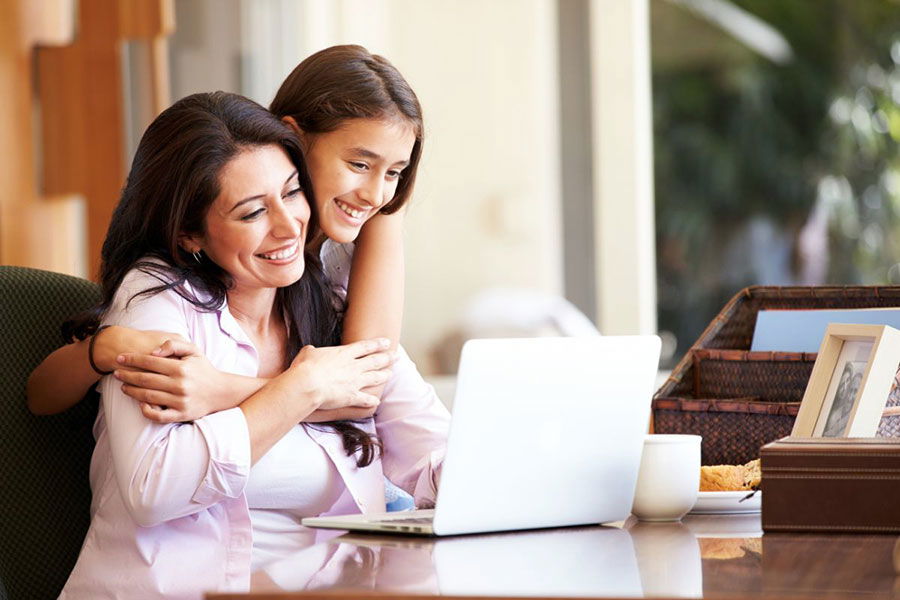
point(803, 330)
point(395, 498)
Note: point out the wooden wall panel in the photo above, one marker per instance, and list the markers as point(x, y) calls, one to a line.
point(63, 121)
point(80, 90)
point(146, 19)
point(32, 233)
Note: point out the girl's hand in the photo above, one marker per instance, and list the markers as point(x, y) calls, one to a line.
point(114, 340)
point(337, 375)
point(176, 383)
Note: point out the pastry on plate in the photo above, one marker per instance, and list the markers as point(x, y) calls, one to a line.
point(721, 478)
point(730, 478)
point(752, 474)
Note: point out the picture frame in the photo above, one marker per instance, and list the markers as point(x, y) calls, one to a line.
point(850, 382)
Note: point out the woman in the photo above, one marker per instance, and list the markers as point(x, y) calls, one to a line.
point(361, 127)
point(208, 242)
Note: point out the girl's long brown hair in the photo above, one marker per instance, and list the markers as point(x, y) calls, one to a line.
point(174, 179)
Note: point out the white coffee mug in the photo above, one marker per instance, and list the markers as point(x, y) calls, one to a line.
point(669, 478)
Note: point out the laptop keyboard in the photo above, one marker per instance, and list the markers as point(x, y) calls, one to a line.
point(405, 521)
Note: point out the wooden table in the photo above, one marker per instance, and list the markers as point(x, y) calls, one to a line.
point(704, 556)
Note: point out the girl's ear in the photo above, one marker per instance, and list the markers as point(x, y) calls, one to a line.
point(292, 123)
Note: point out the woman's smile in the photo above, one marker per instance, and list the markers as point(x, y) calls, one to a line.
point(256, 228)
point(282, 255)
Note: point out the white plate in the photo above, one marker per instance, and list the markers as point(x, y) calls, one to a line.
point(726, 503)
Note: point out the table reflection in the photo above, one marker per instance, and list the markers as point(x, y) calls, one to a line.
point(818, 564)
point(703, 556)
point(668, 558)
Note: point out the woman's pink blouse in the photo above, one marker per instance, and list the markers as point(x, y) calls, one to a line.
point(169, 514)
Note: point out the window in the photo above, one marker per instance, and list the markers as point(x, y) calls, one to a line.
point(776, 129)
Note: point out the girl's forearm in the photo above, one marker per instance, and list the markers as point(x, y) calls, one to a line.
point(376, 288)
point(375, 292)
point(48, 393)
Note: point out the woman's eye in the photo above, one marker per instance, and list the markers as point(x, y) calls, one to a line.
point(253, 215)
point(359, 166)
point(393, 174)
point(293, 193)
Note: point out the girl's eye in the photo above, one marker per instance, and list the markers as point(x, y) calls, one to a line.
point(394, 174)
point(293, 193)
point(359, 165)
point(253, 215)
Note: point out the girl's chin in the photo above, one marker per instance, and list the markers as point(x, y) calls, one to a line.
point(342, 234)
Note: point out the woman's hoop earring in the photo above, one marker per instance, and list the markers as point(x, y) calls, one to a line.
point(196, 255)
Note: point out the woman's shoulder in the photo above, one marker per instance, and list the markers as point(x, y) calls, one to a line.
point(151, 283)
point(150, 274)
point(152, 297)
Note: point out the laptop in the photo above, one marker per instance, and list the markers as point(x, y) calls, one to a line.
point(545, 432)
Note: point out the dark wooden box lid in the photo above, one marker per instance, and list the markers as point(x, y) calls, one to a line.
point(832, 455)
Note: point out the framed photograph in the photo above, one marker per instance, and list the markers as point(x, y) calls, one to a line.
point(850, 382)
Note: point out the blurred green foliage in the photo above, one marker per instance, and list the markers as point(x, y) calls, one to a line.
point(752, 141)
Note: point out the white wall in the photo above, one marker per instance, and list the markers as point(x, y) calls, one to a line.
point(486, 208)
point(486, 212)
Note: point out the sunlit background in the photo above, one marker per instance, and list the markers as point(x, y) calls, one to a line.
point(627, 165)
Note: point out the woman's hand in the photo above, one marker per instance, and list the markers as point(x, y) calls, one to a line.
point(177, 383)
point(337, 375)
point(114, 340)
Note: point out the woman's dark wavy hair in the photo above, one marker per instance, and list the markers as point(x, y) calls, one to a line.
point(174, 180)
point(349, 82)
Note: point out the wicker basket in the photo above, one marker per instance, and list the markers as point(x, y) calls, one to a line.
point(740, 400)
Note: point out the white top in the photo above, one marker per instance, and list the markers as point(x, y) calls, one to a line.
point(294, 479)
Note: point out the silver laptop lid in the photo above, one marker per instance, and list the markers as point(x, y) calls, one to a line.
point(546, 432)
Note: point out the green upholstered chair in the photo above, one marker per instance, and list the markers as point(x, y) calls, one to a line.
point(44, 492)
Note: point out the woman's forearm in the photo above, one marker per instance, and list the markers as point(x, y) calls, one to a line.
point(173, 470)
point(48, 393)
point(274, 410)
point(242, 388)
point(167, 471)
